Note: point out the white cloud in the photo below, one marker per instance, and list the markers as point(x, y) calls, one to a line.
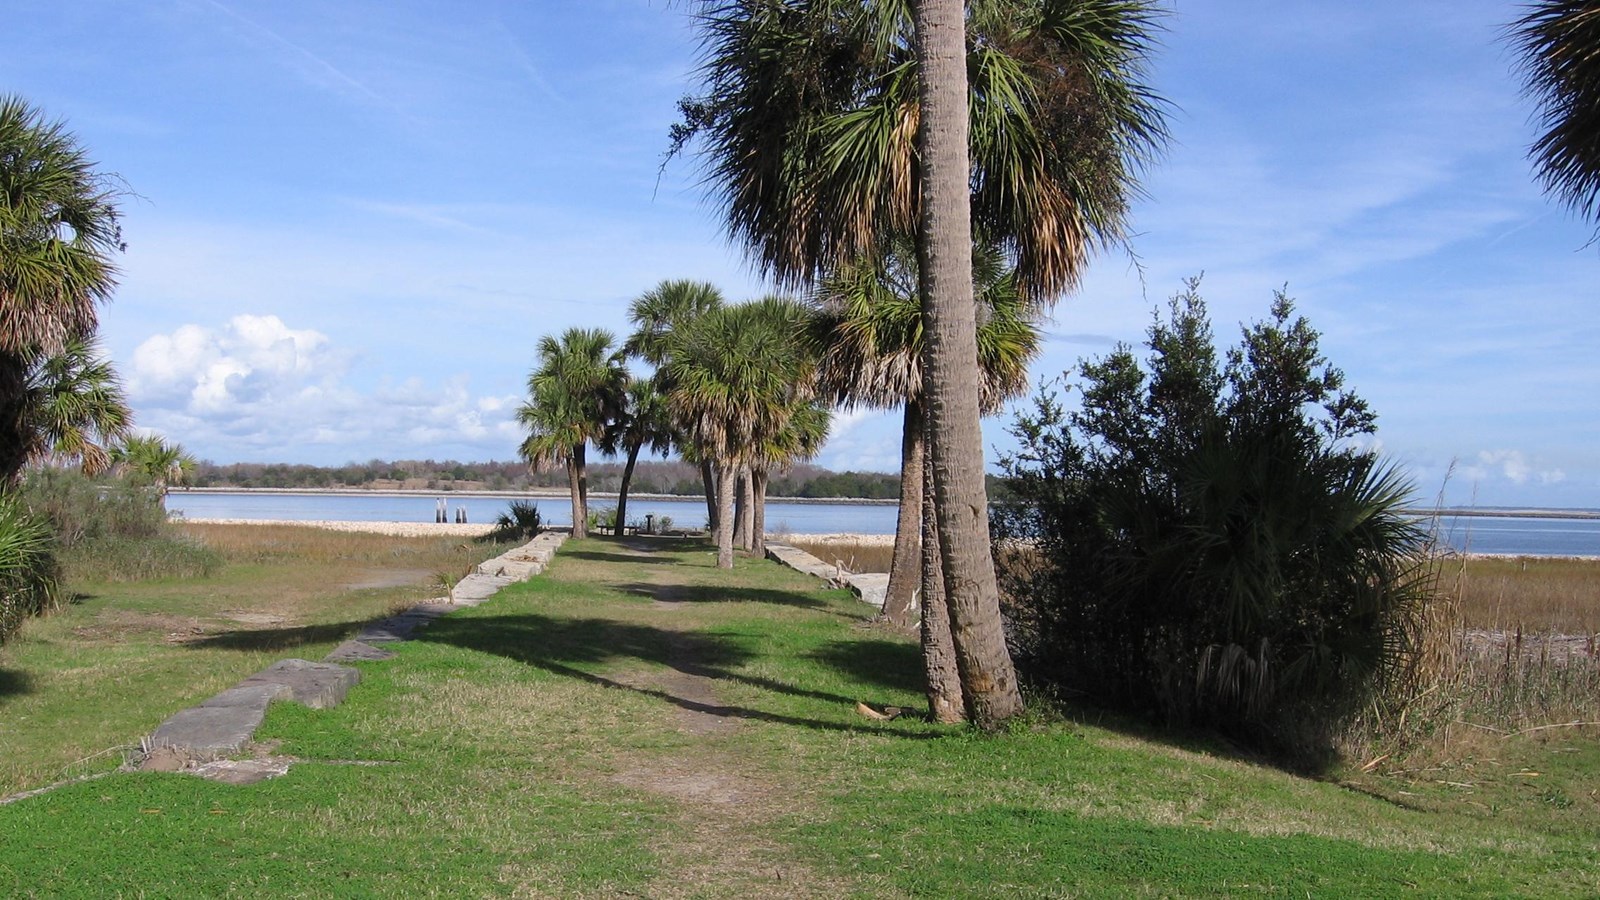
point(1513, 466)
point(257, 389)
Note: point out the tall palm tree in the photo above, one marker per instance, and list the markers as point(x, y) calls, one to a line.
point(988, 679)
point(656, 314)
point(732, 378)
point(75, 408)
point(809, 116)
point(153, 460)
point(59, 229)
point(1559, 42)
point(574, 392)
point(642, 422)
point(817, 120)
point(867, 331)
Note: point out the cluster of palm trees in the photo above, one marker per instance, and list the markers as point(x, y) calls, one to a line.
point(732, 389)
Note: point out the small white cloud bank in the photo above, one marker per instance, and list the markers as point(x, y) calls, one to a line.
point(256, 389)
point(1513, 466)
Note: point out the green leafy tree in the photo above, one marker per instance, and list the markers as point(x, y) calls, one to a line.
point(1559, 43)
point(1216, 549)
point(59, 229)
point(574, 393)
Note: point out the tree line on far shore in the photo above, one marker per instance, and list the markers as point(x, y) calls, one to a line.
point(650, 477)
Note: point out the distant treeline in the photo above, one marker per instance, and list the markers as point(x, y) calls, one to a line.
point(649, 477)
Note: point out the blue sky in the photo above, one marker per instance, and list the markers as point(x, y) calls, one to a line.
point(350, 222)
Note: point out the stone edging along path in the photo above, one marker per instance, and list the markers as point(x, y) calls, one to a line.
point(197, 739)
point(870, 587)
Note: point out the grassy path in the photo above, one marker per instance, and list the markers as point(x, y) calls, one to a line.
point(636, 722)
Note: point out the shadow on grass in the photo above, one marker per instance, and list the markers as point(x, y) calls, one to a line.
point(896, 665)
point(14, 683)
point(649, 559)
point(691, 594)
point(570, 647)
point(275, 639)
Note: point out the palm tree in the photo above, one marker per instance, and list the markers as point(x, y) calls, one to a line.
point(75, 408)
point(151, 459)
point(58, 231)
point(576, 390)
point(642, 422)
point(656, 314)
point(732, 378)
point(988, 680)
point(823, 144)
point(810, 112)
point(1559, 41)
point(867, 331)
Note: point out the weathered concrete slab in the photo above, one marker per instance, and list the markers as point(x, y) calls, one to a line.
point(871, 587)
point(243, 771)
point(313, 684)
point(206, 731)
point(356, 651)
point(256, 695)
point(801, 561)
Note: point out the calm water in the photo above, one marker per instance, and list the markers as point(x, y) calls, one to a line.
point(1478, 534)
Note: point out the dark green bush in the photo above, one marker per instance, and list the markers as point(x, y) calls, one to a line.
point(30, 576)
point(1212, 547)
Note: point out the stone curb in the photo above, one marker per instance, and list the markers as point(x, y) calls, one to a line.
point(870, 587)
point(225, 724)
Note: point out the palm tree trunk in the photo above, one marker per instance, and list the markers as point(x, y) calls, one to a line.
point(905, 568)
point(938, 652)
point(580, 525)
point(950, 368)
point(708, 479)
point(13, 427)
point(744, 508)
point(726, 476)
point(581, 453)
point(622, 492)
point(758, 521)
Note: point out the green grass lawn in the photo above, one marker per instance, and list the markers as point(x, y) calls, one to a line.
point(637, 722)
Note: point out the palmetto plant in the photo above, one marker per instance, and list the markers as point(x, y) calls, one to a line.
point(809, 116)
point(74, 408)
point(642, 423)
point(734, 379)
point(29, 575)
point(59, 229)
point(152, 460)
point(867, 331)
point(576, 389)
point(655, 315)
point(1559, 42)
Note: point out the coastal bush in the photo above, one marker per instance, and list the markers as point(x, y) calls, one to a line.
point(520, 521)
point(1212, 545)
point(29, 573)
point(111, 529)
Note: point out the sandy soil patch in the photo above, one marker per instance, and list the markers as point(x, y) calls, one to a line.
point(399, 529)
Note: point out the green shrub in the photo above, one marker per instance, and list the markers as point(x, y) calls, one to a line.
point(521, 521)
point(1212, 548)
point(79, 508)
point(30, 577)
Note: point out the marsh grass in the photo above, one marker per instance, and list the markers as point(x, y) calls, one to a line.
point(78, 686)
point(852, 557)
